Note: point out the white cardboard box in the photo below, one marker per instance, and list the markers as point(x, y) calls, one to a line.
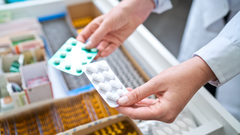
point(6, 62)
point(40, 92)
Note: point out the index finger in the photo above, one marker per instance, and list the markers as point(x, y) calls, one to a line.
point(151, 112)
point(89, 29)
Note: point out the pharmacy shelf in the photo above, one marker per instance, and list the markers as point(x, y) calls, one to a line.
point(211, 117)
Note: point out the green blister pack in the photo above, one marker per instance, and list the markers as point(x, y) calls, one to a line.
point(71, 56)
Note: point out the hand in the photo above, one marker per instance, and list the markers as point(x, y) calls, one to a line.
point(110, 30)
point(173, 87)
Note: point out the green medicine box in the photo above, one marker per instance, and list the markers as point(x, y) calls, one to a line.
point(71, 56)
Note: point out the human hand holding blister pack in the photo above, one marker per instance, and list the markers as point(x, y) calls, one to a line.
point(105, 82)
point(74, 58)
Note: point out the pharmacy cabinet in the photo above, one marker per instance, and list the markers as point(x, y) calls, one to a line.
point(147, 51)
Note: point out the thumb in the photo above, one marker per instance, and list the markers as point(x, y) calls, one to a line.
point(136, 95)
point(98, 35)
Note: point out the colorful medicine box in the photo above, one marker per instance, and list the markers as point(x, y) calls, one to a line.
point(71, 56)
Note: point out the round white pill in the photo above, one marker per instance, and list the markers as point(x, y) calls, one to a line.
point(190, 128)
point(56, 61)
point(115, 84)
point(74, 43)
point(112, 96)
point(160, 132)
point(69, 48)
point(94, 50)
point(67, 66)
point(105, 87)
point(63, 54)
point(121, 92)
point(89, 55)
point(175, 127)
point(79, 69)
point(103, 66)
point(188, 121)
point(109, 75)
point(168, 130)
point(183, 131)
point(98, 78)
point(92, 69)
point(181, 124)
point(84, 62)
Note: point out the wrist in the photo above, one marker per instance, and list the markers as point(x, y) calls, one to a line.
point(201, 71)
point(139, 10)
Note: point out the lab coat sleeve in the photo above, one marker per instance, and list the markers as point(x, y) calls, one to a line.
point(222, 54)
point(162, 6)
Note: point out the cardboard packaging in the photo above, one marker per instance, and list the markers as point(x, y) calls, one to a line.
point(25, 41)
point(34, 56)
point(6, 62)
point(6, 102)
point(39, 88)
point(99, 124)
point(84, 11)
point(19, 98)
point(5, 46)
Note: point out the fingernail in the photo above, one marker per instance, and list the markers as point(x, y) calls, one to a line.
point(123, 100)
point(88, 44)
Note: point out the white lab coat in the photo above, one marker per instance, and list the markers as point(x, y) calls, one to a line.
point(204, 23)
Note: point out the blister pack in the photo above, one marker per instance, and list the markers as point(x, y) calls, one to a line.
point(71, 56)
point(105, 82)
point(183, 124)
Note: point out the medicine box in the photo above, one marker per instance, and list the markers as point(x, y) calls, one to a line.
point(24, 41)
point(81, 14)
point(5, 16)
point(35, 82)
point(7, 61)
point(19, 98)
point(34, 56)
point(5, 46)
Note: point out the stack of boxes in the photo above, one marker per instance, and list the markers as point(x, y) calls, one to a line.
point(23, 63)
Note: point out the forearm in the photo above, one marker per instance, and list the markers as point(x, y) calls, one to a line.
point(223, 52)
point(138, 9)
